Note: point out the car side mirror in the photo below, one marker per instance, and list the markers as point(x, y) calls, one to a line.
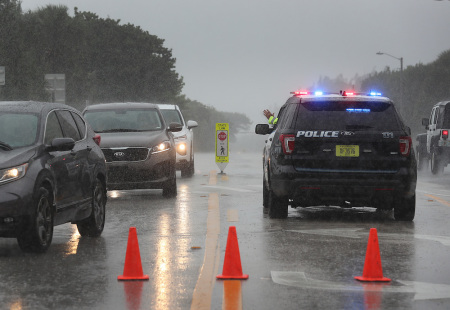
point(191, 124)
point(263, 129)
point(61, 144)
point(425, 122)
point(175, 127)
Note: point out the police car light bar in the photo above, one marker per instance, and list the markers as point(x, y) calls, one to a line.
point(300, 92)
point(344, 93)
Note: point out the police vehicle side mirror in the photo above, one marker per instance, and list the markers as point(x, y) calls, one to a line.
point(175, 127)
point(425, 122)
point(61, 144)
point(408, 130)
point(263, 129)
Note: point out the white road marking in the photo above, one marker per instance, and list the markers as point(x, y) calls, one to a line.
point(356, 233)
point(231, 189)
point(421, 290)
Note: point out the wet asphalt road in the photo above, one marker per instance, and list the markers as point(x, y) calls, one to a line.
point(307, 261)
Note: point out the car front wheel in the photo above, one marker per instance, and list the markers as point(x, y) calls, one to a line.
point(38, 235)
point(170, 186)
point(94, 224)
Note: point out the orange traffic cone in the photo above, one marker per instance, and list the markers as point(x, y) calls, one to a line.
point(133, 266)
point(373, 272)
point(232, 268)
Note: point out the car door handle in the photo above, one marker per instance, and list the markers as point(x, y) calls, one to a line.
point(89, 148)
point(73, 153)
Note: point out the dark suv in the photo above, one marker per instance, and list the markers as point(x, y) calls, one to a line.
point(52, 171)
point(344, 149)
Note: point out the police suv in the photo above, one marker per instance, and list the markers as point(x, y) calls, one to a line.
point(344, 149)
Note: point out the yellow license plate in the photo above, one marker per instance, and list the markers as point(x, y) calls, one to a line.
point(347, 150)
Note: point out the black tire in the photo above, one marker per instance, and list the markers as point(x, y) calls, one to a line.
point(170, 187)
point(436, 163)
point(278, 206)
point(265, 198)
point(38, 234)
point(188, 171)
point(406, 209)
point(94, 224)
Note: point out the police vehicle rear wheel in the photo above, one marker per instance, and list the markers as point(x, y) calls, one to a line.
point(406, 209)
point(277, 206)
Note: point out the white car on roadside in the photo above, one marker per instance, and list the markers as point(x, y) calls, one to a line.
point(184, 139)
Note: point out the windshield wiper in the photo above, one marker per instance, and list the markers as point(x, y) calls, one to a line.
point(357, 127)
point(6, 146)
point(119, 130)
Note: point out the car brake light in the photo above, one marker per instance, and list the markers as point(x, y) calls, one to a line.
point(405, 145)
point(287, 143)
point(97, 139)
point(445, 134)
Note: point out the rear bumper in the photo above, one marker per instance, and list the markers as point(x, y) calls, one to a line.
point(319, 187)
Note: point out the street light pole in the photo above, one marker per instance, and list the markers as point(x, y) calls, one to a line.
point(401, 73)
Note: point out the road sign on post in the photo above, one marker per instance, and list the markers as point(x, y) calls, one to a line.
point(56, 85)
point(222, 145)
point(2, 75)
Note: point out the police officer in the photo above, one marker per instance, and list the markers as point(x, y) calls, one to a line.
point(271, 117)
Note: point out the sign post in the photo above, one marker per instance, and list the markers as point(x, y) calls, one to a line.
point(222, 145)
point(2, 75)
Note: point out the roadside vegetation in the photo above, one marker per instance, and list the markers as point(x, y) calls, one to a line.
point(106, 61)
point(103, 61)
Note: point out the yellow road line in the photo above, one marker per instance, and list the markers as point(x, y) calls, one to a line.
point(232, 295)
point(212, 177)
point(232, 215)
point(201, 298)
point(444, 202)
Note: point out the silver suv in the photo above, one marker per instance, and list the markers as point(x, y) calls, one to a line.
point(184, 139)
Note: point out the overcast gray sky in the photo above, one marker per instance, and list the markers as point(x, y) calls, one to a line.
point(246, 55)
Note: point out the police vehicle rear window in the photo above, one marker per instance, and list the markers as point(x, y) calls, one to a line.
point(342, 115)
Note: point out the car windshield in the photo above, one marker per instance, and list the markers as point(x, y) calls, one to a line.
point(121, 120)
point(171, 116)
point(18, 129)
point(348, 115)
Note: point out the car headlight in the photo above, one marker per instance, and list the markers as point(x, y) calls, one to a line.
point(181, 148)
point(12, 174)
point(162, 147)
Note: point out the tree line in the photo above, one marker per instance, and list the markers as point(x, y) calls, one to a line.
point(103, 61)
point(414, 90)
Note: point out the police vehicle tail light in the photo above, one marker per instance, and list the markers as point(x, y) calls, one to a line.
point(444, 134)
point(287, 143)
point(405, 145)
point(97, 139)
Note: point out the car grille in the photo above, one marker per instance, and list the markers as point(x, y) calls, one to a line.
point(126, 154)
